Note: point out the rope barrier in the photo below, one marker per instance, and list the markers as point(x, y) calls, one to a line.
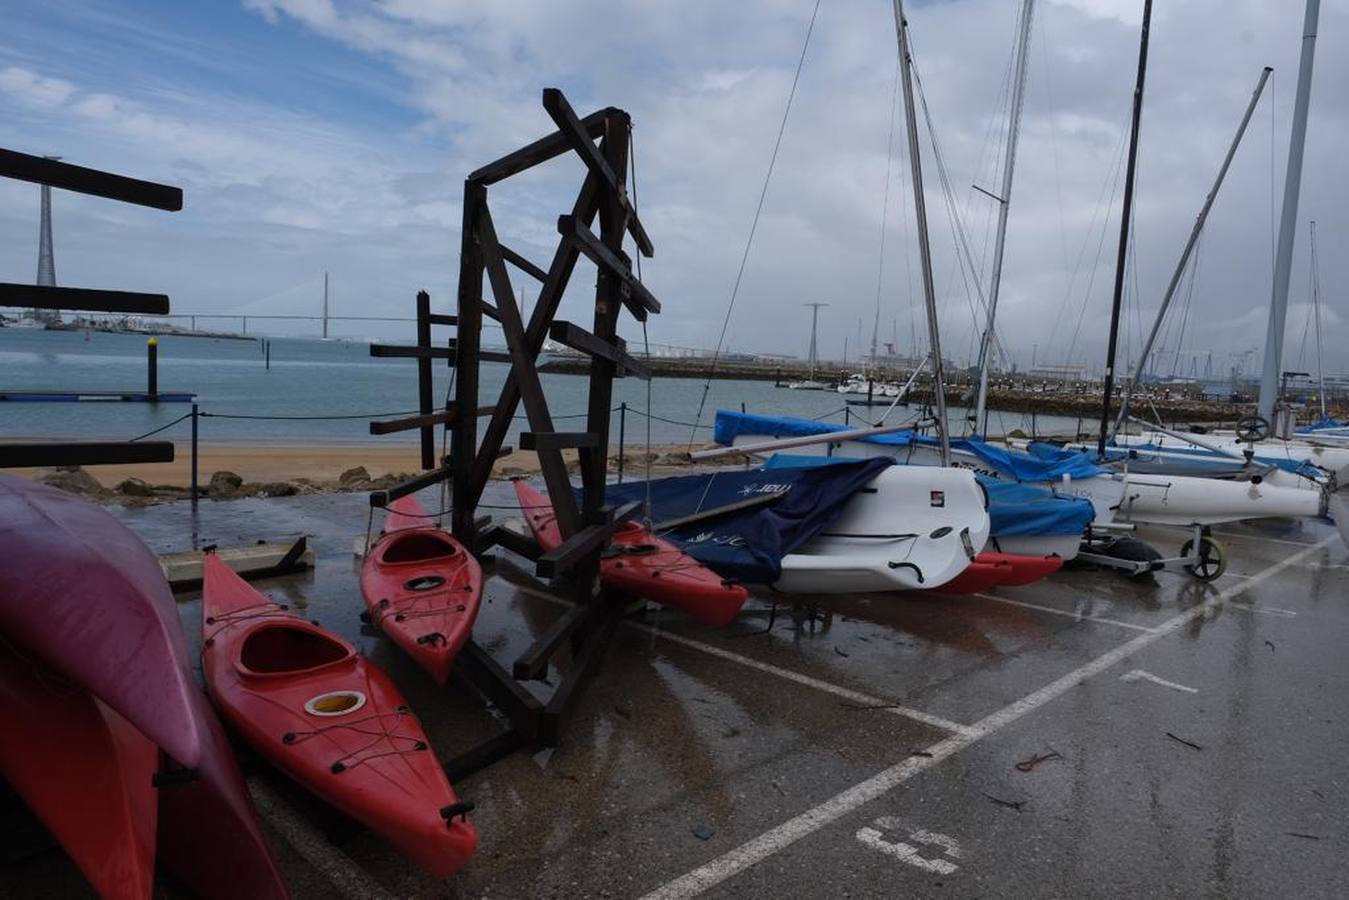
point(160, 428)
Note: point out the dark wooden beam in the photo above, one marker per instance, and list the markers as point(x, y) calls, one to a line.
point(83, 299)
point(542, 150)
point(69, 177)
point(444, 417)
point(577, 338)
point(566, 555)
point(532, 665)
point(565, 118)
point(523, 367)
point(602, 256)
point(464, 452)
point(557, 440)
point(391, 351)
point(381, 499)
point(425, 382)
point(523, 264)
point(496, 684)
point(585, 663)
point(442, 319)
point(550, 295)
point(83, 453)
point(499, 535)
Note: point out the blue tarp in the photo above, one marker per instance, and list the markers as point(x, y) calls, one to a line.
point(749, 545)
point(1208, 460)
point(1323, 422)
point(1013, 509)
point(1009, 463)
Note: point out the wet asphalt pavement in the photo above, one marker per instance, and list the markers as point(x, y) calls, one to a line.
point(1176, 738)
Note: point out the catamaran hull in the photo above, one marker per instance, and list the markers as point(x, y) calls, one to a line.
point(909, 529)
point(1334, 460)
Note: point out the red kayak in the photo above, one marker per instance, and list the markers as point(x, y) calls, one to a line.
point(83, 770)
point(422, 588)
point(977, 576)
point(333, 721)
point(1024, 569)
point(209, 836)
point(85, 596)
point(638, 562)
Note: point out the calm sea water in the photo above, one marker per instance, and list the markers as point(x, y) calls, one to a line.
point(316, 378)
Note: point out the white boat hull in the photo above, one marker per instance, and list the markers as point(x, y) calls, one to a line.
point(909, 529)
point(1334, 460)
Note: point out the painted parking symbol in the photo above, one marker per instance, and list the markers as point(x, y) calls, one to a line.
point(874, 836)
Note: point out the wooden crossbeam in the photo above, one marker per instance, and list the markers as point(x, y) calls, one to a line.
point(499, 535)
point(557, 440)
point(523, 366)
point(443, 417)
point(442, 319)
point(381, 499)
point(33, 296)
point(550, 295)
point(542, 150)
point(577, 338)
point(566, 555)
point(523, 264)
point(83, 453)
point(394, 351)
point(41, 170)
point(637, 298)
point(565, 118)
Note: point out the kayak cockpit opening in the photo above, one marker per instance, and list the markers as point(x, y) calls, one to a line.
point(286, 649)
point(417, 547)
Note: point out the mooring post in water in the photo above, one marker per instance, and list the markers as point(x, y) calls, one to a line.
point(622, 431)
point(194, 454)
point(152, 368)
point(267, 354)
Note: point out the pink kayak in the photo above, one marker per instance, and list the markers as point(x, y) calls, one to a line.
point(209, 836)
point(84, 595)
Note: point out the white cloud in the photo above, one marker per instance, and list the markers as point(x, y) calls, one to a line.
point(32, 89)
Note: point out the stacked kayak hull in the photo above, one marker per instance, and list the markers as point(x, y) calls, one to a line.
point(422, 588)
point(640, 563)
point(333, 721)
point(87, 597)
point(85, 771)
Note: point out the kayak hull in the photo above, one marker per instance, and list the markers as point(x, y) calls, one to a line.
point(84, 770)
point(87, 597)
point(422, 588)
point(637, 562)
point(330, 719)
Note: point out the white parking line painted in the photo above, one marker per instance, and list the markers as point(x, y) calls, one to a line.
point(1266, 610)
point(349, 879)
point(1140, 675)
point(1063, 612)
point(857, 698)
point(775, 840)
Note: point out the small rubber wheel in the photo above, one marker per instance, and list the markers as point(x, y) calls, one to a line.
point(1133, 550)
point(1212, 559)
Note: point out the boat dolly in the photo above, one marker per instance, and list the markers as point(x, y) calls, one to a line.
point(1201, 555)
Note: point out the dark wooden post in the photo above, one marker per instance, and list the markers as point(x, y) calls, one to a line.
point(152, 368)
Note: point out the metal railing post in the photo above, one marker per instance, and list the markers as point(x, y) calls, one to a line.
point(622, 430)
point(194, 454)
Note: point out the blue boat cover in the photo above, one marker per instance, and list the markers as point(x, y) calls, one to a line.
point(1323, 422)
point(749, 545)
point(1013, 509)
point(1049, 466)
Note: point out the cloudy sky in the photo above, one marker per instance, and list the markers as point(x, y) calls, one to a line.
point(313, 135)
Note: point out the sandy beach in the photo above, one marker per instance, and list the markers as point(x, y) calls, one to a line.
point(324, 463)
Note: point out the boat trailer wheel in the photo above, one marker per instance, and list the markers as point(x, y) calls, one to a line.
point(1252, 428)
point(1212, 559)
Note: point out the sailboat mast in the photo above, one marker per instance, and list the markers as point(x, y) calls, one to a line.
point(924, 248)
point(1004, 202)
point(1316, 310)
point(1126, 215)
point(1176, 276)
point(1292, 185)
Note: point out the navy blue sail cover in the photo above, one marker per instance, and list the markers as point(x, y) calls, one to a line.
point(749, 545)
point(1042, 466)
point(1013, 508)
